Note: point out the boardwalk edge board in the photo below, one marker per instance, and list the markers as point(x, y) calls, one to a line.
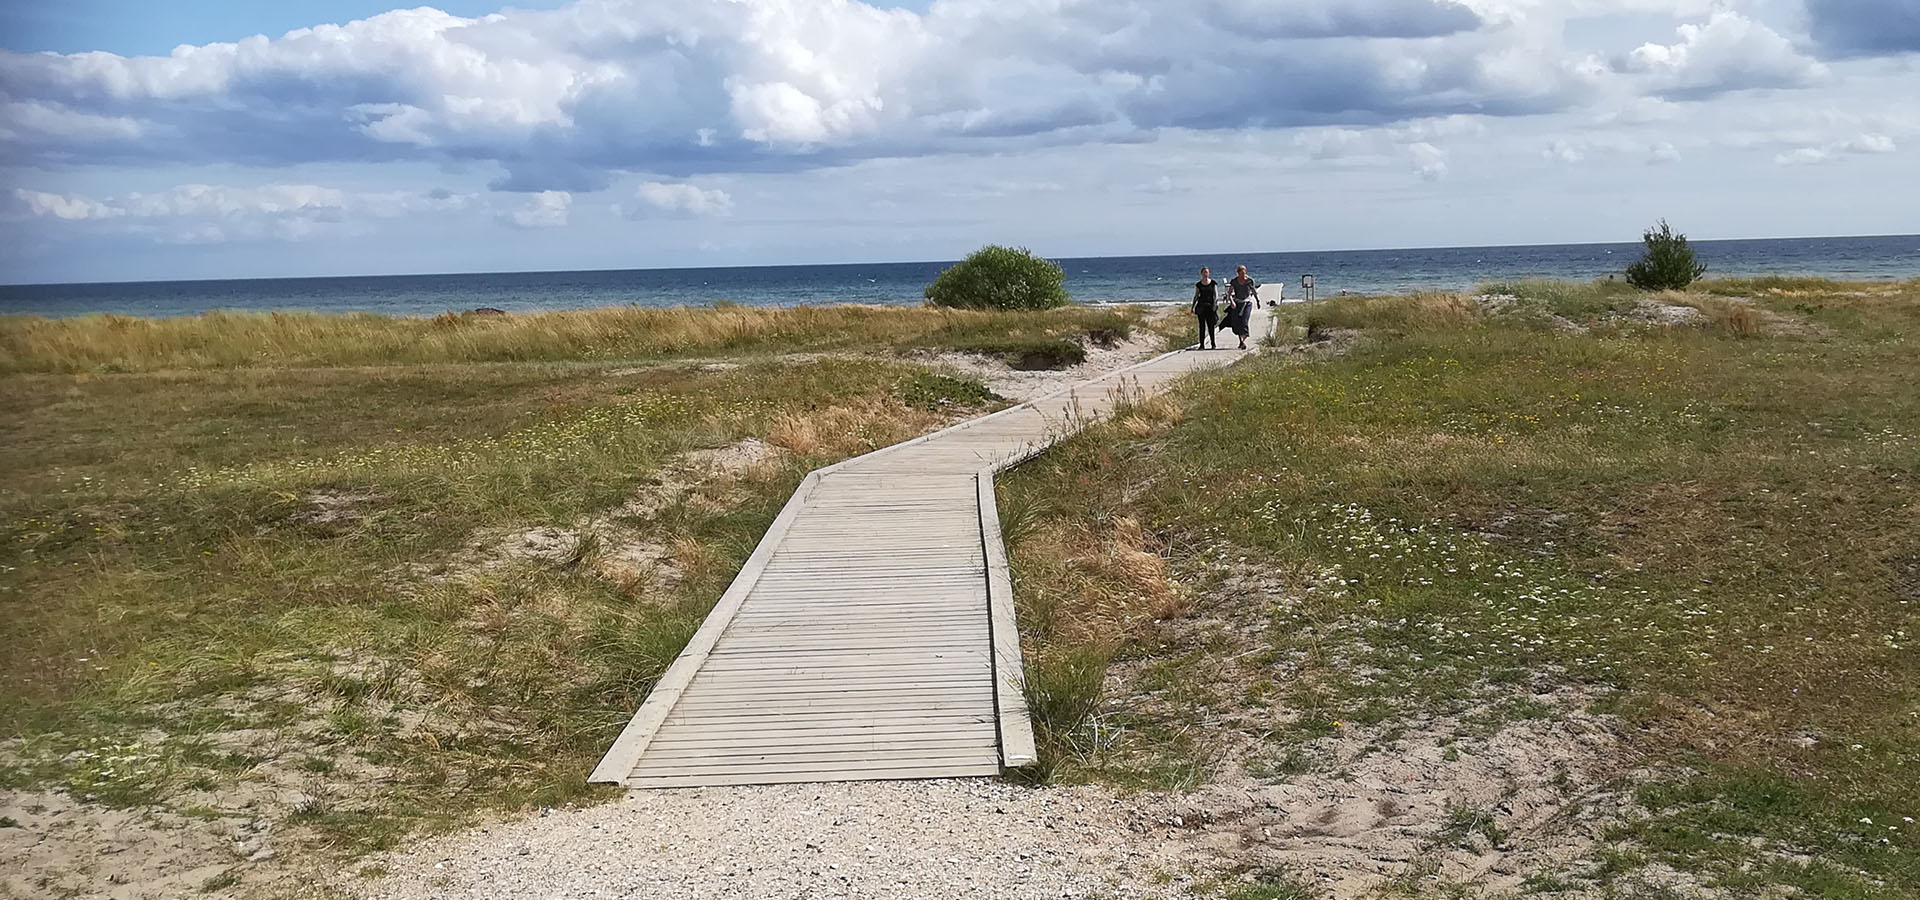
point(1017, 749)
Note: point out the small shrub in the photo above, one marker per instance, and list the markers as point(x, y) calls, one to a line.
point(934, 392)
point(1668, 264)
point(1027, 353)
point(995, 277)
point(1049, 355)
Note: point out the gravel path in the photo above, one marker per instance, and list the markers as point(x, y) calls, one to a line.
point(930, 839)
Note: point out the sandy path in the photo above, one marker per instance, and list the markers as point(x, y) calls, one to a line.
point(958, 838)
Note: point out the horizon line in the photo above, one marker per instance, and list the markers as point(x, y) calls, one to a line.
point(910, 262)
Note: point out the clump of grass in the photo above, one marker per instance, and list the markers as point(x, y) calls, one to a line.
point(1585, 302)
point(105, 343)
point(1028, 353)
point(1463, 823)
point(1793, 285)
point(1738, 318)
point(934, 391)
point(1424, 310)
point(1063, 690)
point(1269, 885)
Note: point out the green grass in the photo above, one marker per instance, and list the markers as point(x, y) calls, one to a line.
point(188, 557)
point(1270, 886)
point(1711, 528)
point(1575, 302)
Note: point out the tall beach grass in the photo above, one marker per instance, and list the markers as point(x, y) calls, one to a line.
point(114, 343)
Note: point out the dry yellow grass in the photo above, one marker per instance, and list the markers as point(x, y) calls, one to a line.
point(110, 343)
point(1426, 309)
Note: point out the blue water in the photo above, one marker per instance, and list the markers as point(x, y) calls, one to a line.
point(1099, 279)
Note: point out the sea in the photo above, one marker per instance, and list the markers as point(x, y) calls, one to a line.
point(1112, 279)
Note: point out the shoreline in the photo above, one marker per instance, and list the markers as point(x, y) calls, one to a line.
point(1290, 295)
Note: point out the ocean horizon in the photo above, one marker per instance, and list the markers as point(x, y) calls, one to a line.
point(1113, 279)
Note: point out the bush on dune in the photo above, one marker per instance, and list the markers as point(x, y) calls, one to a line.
point(1669, 264)
point(995, 277)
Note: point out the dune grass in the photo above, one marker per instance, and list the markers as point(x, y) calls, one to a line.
point(1715, 528)
point(395, 594)
point(109, 343)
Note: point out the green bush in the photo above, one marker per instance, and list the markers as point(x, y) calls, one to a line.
point(1027, 352)
point(933, 391)
point(1669, 264)
point(996, 277)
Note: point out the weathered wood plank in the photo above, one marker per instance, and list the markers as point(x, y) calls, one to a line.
point(877, 773)
point(876, 761)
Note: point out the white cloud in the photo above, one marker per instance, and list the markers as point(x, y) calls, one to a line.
point(1859, 144)
point(31, 121)
point(1730, 52)
point(684, 199)
point(1429, 162)
point(61, 206)
point(203, 213)
point(547, 209)
point(1565, 151)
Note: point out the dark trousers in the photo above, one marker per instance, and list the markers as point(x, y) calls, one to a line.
point(1209, 323)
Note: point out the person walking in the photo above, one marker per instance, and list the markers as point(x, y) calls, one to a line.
point(1206, 296)
point(1242, 294)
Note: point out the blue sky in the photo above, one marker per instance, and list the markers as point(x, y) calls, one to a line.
point(214, 138)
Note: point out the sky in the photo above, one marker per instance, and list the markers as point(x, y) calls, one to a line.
point(222, 138)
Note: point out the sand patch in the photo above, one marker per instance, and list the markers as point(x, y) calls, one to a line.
point(881, 840)
point(59, 847)
point(1412, 802)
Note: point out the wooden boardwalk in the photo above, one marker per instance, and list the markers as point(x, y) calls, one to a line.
point(871, 634)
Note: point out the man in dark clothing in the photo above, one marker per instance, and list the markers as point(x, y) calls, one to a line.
point(1206, 293)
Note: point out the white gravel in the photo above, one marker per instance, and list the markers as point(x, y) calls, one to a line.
point(929, 839)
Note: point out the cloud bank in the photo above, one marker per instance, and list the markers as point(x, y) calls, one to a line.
point(559, 98)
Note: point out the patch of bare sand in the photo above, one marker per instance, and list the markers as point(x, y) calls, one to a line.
point(882, 840)
point(212, 839)
point(55, 846)
point(1417, 812)
point(1411, 803)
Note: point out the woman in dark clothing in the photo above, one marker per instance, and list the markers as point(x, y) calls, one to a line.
point(1206, 292)
point(1241, 295)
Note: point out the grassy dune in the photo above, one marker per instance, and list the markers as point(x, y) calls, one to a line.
point(107, 343)
point(1711, 528)
point(248, 576)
